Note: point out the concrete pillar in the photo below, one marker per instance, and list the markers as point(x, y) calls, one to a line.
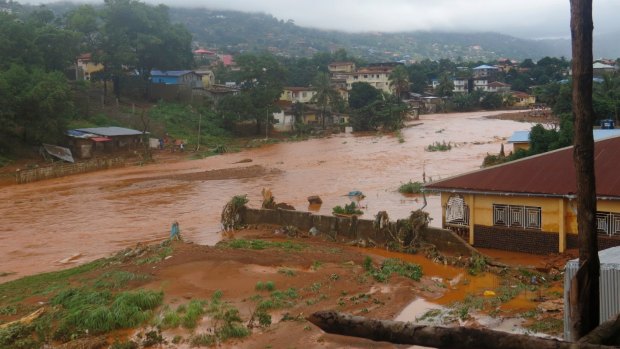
point(472, 217)
point(562, 225)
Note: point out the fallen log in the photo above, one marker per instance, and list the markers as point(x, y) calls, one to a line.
point(26, 319)
point(606, 333)
point(399, 332)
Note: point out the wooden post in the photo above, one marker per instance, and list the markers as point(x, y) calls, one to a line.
point(561, 225)
point(584, 296)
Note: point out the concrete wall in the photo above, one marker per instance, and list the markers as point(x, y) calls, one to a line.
point(345, 229)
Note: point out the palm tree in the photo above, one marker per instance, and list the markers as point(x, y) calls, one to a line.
point(324, 95)
point(399, 81)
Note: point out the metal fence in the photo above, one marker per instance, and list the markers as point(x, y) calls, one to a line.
point(609, 284)
point(63, 169)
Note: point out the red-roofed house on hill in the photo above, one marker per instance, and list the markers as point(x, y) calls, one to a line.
point(529, 205)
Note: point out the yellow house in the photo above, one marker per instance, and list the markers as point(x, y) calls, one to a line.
point(522, 99)
point(207, 77)
point(520, 140)
point(87, 67)
point(529, 205)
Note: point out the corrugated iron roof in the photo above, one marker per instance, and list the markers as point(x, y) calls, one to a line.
point(548, 174)
point(111, 131)
point(519, 137)
point(175, 73)
point(598, 134)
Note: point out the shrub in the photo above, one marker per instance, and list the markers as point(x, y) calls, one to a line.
point(437, 146)
point(350, 209)
point(411, 188)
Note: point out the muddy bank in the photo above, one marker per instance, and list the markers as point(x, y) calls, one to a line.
point(53, 224)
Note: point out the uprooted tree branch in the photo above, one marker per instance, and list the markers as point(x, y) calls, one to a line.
point(399, 332)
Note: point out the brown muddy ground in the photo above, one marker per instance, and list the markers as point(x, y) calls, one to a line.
point(57, 223)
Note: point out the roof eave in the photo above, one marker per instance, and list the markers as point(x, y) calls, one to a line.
point(503, 193)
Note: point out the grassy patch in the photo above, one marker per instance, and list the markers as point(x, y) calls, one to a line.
point(410, 188)
point(160, 255)
point(437, 146)
point(118, 279)
point(40, 284)
point(181, 122)
point(187, 316)
point(265, 286)
point(393, 266)
point(287, 272)
point(84, 311)
point(262, 245)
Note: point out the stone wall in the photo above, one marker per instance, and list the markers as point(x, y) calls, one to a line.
point(604, 241)
point(61, 169)
point(345, 229)
point(519, 240)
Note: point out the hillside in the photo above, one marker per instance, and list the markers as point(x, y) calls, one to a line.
point(238, 32)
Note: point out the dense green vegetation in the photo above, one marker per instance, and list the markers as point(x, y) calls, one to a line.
point(37, 48)
point(410, 187)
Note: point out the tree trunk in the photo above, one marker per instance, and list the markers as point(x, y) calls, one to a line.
point(584, 315)
point(432, 336)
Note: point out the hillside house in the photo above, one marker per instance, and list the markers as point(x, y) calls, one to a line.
point(599, 69)
point(297, 94)
point(379, 79)
point(522, 99)
point(176, 77)
point(207, 77)
point(86, 67)
point(529, 205)
point(485, 71)
point(341, 67)
point(498, 87)
point(461, 85)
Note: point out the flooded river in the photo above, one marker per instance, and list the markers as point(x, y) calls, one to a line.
point(57, 223)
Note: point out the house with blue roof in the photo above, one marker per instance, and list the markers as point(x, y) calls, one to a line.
point(176, 77)
point(485, 71)
point(521, 139)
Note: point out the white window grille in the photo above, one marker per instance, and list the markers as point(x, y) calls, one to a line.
point(500, 215)
point(608, 223)
point(517, 216)
point(457, 211)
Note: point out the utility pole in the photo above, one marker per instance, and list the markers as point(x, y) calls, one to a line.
point(199, 122)
point(267, 124)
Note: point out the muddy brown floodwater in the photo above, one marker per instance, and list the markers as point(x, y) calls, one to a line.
point(54, 224)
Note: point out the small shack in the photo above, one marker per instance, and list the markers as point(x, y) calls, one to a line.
point(609, 286)
point(85, 142)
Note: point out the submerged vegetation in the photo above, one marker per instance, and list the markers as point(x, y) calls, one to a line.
point(411, 187)
point(439, 146)
point(348, 209)
point(392, 266)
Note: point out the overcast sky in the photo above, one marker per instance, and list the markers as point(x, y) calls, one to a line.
point(521, 18)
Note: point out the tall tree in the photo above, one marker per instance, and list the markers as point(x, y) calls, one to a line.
point(261, 78)
point(325, 95)
point(584, 292)
point(141, 37)
point(445, 87)
point(399, 81)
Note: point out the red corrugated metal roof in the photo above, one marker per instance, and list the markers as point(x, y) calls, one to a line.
point(550, 173)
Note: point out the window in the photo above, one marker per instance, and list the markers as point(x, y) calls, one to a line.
point(516, 216)
point(608, 223)
point(457, 211)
